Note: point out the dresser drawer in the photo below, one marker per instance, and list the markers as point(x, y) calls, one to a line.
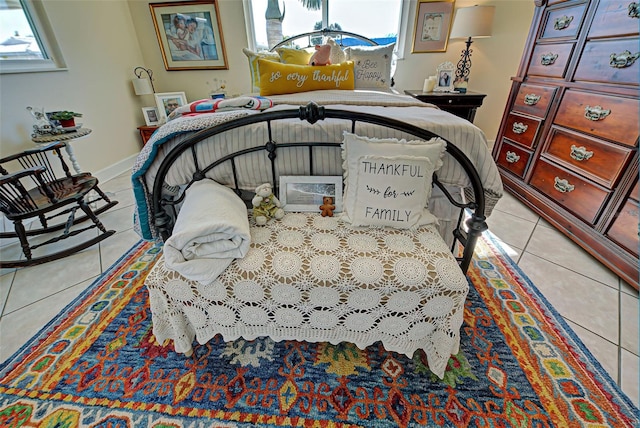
point(612, 18)
point(624, 229)
point(534, 99)
point(606, 116)
point(514, 159)
point(610, 61)
point(598, 160)
point(576, 194)
point(563, 22)
point(550, 59)
point(521, 129)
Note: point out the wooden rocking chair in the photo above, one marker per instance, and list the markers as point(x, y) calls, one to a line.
point(51, 197)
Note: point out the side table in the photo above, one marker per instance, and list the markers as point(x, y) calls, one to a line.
point(146, 132)
point(65, 138)
point(462, 105)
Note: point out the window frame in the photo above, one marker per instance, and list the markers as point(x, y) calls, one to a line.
point(42, 31)
point(402, 25)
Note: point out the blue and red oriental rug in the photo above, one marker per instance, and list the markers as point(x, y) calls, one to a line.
point(97, 365)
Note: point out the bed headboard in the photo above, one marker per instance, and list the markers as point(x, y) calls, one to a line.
point(337, 35)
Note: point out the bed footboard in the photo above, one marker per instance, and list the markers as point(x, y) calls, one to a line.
point(470, 220)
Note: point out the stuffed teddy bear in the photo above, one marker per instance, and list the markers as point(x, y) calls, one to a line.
point(327, 206)
point(322, 55)
point(266, 205)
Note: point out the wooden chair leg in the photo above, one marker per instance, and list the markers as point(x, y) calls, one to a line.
point(89, 212)
point(22, 236)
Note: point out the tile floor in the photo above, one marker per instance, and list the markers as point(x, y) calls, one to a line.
point(605, 316)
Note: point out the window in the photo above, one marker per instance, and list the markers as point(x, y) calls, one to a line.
point(376, 19)
point(26, 40)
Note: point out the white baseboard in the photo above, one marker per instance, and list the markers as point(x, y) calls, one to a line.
point(116, 169)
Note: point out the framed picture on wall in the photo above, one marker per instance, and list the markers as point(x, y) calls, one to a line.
point(433, 23)
point(151, 117)
point(190, 35)
point(168, 102)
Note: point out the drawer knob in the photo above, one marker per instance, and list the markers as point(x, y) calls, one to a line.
point(562, 22)
point(548, 58)
point(634, 9)
point(519, 128)
point(562, 185)
point(580, 153)
point(512, 157)
point(596, 113)
point(623, 60)
point(531, 99)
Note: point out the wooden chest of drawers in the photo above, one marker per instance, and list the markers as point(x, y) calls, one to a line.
point(568, 142)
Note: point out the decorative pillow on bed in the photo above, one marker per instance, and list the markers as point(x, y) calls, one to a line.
point(295, 56)
point(253, 65)
point(337, 54)
point(372, 65)
point(277, 78)
point(388, 181)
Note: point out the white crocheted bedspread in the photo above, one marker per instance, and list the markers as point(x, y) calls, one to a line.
point(318, 279)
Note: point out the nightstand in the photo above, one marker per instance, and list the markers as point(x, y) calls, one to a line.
point(145, 132)
point(462, 105)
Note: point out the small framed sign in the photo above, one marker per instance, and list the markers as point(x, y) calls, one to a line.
point(305, 193)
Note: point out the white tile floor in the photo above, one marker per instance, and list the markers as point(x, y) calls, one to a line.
point(601, 308)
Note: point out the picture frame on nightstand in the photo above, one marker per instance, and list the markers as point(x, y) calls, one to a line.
point(151, 117)
point(445, 74)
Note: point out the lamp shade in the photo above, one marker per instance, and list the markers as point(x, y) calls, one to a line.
point(142, 86)
point(475, 21)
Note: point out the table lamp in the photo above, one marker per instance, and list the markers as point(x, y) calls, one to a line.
point(141, 85)
point(470, 22)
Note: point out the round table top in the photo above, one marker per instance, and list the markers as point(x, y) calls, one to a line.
point(49, 138)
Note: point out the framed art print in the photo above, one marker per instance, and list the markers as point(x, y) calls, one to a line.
point(190, 35)
point(433, 23)
point(305, 193)
point(168, 102)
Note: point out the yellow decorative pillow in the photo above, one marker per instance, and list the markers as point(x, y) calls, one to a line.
point(253, 65)
point(294, 56)
point(277, 78)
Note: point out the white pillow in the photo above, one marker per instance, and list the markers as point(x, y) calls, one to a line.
point(372, 65)
point(337, 55)
point(388, 181)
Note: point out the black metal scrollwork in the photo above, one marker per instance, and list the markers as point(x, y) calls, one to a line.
point(634, 9)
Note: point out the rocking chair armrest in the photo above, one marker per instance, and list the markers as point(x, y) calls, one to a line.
point(13, 177)
point(51, 146)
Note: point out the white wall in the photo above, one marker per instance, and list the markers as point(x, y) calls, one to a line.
point(104, 40)
point(494, 60)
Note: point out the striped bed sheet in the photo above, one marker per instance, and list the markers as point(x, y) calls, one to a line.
point(254, 170)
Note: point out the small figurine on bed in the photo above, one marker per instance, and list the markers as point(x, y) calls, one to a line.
point(265, 205)
point(322, 55)
point(327, 207)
